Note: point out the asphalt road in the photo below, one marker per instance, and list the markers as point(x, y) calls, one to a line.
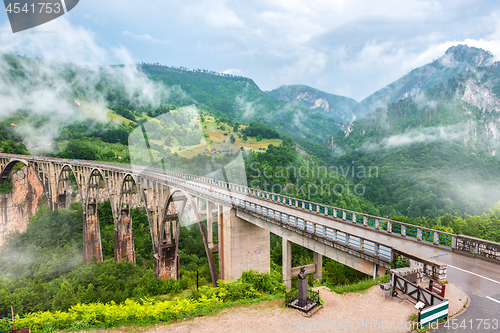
point(481, 281)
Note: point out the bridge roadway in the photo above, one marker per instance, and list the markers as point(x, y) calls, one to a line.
point(364, 234)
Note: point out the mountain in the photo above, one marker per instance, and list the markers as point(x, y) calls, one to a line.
point(437, 150)
point(240, 99)
point(330, 105)
point(457, 59)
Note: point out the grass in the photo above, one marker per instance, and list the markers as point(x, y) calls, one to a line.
point(361, 286)
point(111, 115)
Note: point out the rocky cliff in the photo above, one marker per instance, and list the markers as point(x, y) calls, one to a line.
point(20, 204)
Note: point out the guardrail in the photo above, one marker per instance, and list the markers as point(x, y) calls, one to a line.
point(409, 231)
point(366, 246)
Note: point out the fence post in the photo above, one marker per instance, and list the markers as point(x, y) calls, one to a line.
point(354, 218)
point(419, 234)
point(436, 238)
point(403, 230)
point(453, 242)
point(389, 226)
point(376, 224)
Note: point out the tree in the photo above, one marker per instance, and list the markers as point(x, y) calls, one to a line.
point(232, 138)
point(65, 297)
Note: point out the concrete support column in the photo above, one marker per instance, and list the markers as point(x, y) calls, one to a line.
point(166, 263)
point(244, 246)
point(318, 262)
point(220, 229)
point(91, 237)
point(287, 262)
point(210, 232)
point(124, 241)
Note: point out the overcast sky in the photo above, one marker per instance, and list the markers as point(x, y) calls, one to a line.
point(350, 48)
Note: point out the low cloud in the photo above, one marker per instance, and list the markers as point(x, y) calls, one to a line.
point(144, 37)
point(64, 83)
point(424, 135)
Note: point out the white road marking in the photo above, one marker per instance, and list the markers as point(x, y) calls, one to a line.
point(484, 277)
point(494, 300)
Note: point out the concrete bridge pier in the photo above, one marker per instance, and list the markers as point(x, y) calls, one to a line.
point(124, 241)
point(287, 262)
point(91, 234)
point(166, 262)
point(242, 245)
point(288, 272)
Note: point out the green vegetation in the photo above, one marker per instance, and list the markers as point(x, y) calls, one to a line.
point(360, 286)
point(250, 286)
point(260, 130)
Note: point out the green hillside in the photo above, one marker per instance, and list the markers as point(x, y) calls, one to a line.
point(239, 99)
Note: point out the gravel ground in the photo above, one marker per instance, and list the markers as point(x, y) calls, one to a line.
point(352, 312)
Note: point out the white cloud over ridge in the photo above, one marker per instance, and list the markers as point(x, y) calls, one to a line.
point(67, 61)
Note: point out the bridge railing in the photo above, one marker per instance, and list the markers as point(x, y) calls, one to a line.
point(318, 230)
point(409, 231)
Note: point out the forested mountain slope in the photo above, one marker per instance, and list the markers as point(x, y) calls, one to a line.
point(457, 59)
point(330, 105)
point(436, 150)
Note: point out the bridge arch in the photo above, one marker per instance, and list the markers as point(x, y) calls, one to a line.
point(124, 241)
point(7, 169)
point(92, 245)
point(168, 234)
point(63, 185)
